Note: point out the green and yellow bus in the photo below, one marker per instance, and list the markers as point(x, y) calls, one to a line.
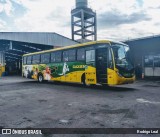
point(101, 62)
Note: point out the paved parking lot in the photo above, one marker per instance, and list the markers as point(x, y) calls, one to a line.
point(26, 103)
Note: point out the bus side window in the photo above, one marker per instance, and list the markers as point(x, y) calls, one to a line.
point(90, 55)
point(29, 60)
point(36, 59)
point(45, 58)
point(58, 56)
point(72, 55)
point(110, 60)
point(81, 54)
point(53, 57)
point(65, 56)
point(24, 60)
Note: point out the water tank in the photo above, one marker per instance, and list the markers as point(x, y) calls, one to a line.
point(81, 3)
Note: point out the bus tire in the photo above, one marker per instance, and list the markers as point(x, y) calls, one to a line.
point(84, 80)
point(40, 78)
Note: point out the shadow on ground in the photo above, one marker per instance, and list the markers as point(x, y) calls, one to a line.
point(95, 87)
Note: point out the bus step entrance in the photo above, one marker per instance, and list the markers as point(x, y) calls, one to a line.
point(101, 65)
point(103, 80)
point(101, 77)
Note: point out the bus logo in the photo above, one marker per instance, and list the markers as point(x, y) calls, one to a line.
point(6, 131)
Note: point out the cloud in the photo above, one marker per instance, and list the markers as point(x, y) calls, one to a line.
point(115, 18)
point(148, 4)
point(6, 7)
point(11, 8)
point(129, 31)
point(157, 24)
point(2, 25)
point(127, 19)
point(46, 16)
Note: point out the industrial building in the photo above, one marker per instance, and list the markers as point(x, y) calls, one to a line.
point(146, 55)
point(14, 44)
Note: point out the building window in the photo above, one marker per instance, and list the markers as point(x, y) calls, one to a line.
point(157, 61)
point(149, 61)
point(36, 59)
point(45, 58)
point(29, 60)
point(81, 54)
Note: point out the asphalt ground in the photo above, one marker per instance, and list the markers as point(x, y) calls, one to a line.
point(26, 103)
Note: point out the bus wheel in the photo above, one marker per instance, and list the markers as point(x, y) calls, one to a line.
point(84, 81)
point(40, 78)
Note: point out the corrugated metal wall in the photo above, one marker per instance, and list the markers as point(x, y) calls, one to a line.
point(2, 58)
point(143, 47)
point(38, 38)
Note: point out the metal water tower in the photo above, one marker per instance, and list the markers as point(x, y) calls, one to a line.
point(84, 22)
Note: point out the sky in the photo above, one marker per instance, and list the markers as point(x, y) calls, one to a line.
point(116, 19)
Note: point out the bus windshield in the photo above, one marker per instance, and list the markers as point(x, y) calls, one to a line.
point(122, 57)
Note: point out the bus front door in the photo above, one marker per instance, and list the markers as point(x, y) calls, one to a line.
point(101, 65)
point(90, 70)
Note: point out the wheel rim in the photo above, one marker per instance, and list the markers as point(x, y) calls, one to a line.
point(40, 78)
point(86, 83)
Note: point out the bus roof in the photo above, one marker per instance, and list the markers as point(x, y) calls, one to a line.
point(72, 46)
